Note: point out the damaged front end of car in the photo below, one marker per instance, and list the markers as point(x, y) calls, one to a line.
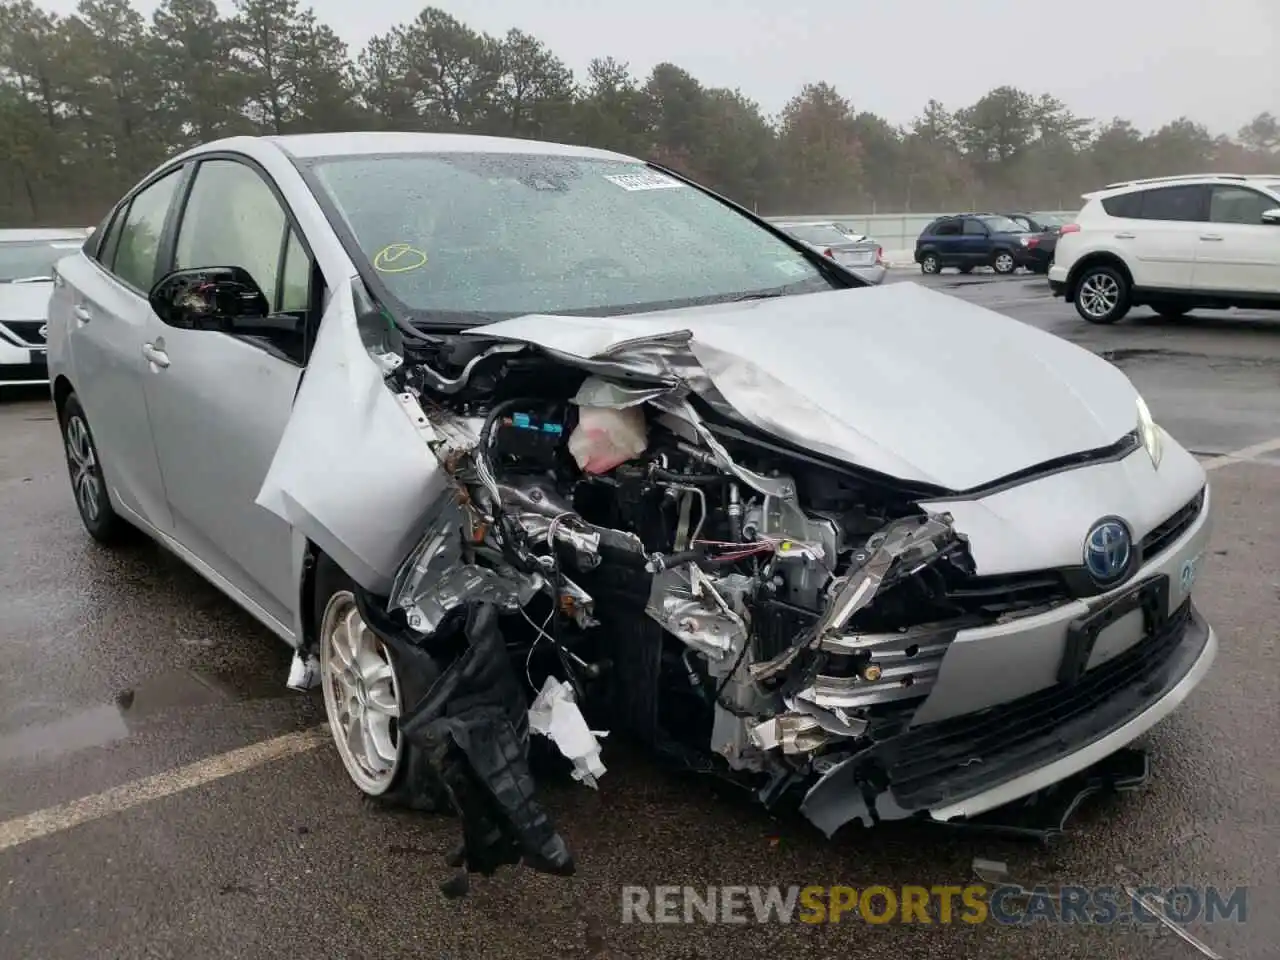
point(603, 541)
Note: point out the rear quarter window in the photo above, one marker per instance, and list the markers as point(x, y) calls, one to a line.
point(1125, 205)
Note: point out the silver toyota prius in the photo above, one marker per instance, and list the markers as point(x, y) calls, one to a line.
point(516, 443)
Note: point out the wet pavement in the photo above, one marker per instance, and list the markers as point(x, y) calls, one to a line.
point(121, 666)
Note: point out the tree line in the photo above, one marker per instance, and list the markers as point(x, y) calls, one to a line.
point(90, 102)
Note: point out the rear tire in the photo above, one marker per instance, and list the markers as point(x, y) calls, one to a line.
point(84, 465)
point(1102, 294)
point(930, 264)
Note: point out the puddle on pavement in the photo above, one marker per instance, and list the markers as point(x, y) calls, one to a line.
point(108, 723)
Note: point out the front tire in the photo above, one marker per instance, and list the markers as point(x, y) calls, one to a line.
point(366, 690)
point(1003, 262)
point(1102, 294)
point(84, 466)
point(930, 264)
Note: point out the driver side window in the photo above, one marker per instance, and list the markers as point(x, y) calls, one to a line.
point(232, 219)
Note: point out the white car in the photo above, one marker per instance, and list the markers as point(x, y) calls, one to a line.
point(26, 280)
point(1174, 244)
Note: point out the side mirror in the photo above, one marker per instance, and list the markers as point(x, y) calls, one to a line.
point(208, 298)
point(1271, 217)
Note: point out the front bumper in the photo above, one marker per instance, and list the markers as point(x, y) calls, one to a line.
point(22, 365)
point(1006, 716)
point(969, 765)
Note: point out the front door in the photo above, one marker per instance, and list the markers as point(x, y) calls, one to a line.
point(219, 402)
point(1237, 252)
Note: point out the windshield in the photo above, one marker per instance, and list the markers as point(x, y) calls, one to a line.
point(497, 235)
point(1003, 225)
point(823, 234)
point(32, 260)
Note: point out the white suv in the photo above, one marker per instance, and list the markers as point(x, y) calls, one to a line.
point(1174, 244)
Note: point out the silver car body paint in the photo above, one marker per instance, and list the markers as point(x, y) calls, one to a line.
point(885, 378)
point(352, 472)
point(897, 379)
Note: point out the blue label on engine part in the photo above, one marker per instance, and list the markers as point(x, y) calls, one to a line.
point(521, 420)
point(552, 428)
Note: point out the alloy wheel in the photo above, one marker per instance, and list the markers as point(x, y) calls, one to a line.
point(86, 478)
point(1004, 263)
point(361, 696)
point(1099, 294)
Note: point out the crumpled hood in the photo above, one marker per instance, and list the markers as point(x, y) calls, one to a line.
point(899, 378)
point(24, 301)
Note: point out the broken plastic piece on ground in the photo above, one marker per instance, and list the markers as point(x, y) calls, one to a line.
point(607, 437)
point(304, 671)
point(1043, 815)
point(555, 715)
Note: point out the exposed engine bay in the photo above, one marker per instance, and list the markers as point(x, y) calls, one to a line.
point(618, 553)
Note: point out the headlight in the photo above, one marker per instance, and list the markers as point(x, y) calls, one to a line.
point(1149, 434)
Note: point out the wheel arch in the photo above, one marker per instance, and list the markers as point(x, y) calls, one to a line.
point(61, 390)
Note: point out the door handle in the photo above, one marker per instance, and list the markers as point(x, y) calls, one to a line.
point(158, 357)
point(81, 313)
point(1210, 236)
point(1125, 236)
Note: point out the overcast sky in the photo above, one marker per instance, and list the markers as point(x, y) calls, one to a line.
point(1147, 60)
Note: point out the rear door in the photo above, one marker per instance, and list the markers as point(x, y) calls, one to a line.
point(975, 246)
point(100, 306)
point(1164, 242)
point(219, 401)
point(1236, 252)
point(946, 240)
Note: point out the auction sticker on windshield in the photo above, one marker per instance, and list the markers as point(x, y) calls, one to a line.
point(649, 180)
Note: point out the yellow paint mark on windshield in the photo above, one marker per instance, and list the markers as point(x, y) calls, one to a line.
point(399, 258)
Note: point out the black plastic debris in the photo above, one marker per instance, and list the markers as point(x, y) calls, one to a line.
point(470, 730)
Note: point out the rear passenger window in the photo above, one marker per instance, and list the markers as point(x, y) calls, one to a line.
point(948, 228)
point(1126, 205)
point(107, 243)
point(1186, 203)
point(135, 256)
point(975, 228)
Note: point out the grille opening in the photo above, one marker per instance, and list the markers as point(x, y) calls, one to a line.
point(1163, 536)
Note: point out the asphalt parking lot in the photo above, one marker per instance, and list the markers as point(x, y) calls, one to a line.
point(162, 794)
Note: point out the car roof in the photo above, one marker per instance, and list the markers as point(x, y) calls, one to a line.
point(40, 234)
point(1189, 179)
point(374, 142)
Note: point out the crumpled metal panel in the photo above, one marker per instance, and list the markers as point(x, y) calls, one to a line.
point(436, 579)
point(690, 605)
point(351, 472)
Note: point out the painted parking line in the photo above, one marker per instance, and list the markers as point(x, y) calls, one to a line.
point(1243, 455)
point(51, 820)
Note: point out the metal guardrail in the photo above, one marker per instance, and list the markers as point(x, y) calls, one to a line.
point(894, 231)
